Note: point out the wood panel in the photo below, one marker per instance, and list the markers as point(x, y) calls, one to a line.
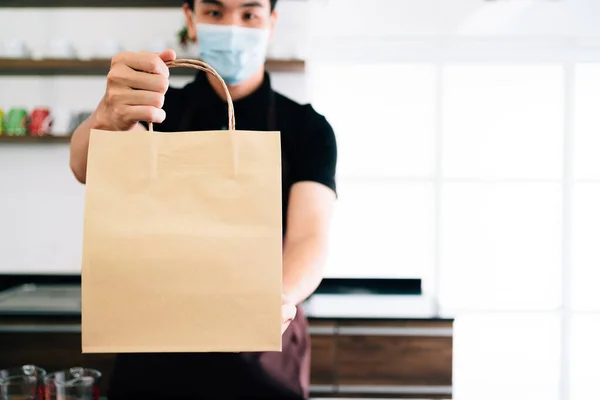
point(93, 3)
point(394, 360)
point(437, 323)
point(26, 67)
point(344, 353)
point(322, 363)
point(34, 139)
point(371, 396)
point(322, 359)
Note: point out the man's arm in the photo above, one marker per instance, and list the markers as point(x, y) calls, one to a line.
point(135, 91)
point(80, 143)
point(305, 247)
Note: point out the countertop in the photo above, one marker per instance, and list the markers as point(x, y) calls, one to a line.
point(65, 300)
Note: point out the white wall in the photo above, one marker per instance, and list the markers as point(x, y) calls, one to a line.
point(41, 204)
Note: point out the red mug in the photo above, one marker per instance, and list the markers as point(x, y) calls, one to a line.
point(40, 122)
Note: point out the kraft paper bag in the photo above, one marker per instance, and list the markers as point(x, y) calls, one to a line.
point(182, 241)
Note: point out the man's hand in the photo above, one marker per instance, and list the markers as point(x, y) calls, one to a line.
point(288, 313)
point(135, 91)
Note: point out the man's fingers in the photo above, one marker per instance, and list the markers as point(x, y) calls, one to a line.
point(141, 113)
point(145, 62)
point(143, 98)
point(124, 76)
point(288, 313)
point(168, 55)
point(284, 327)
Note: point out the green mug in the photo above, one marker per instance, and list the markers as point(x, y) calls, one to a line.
point(16, 122)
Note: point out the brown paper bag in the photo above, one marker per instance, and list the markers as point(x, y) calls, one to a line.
point(182, 240)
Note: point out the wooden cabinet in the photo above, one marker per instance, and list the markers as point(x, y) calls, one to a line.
point(52, 350)
point(323, 354)
point(391, 360)
point(384, 358)
point(365, 358)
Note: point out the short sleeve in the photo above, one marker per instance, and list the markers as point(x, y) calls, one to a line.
point(318, 158)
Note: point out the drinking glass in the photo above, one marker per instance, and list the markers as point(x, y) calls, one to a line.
point(73, 384)
point(22, 383)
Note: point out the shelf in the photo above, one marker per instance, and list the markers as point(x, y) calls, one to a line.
point(94, 3)
point(48, 67)
point(34, 139)
point(91, 3)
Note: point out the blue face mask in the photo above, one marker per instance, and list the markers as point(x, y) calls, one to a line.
point(235, 52)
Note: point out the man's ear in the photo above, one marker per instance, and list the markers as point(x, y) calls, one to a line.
point(273, 22)
point(190, 22)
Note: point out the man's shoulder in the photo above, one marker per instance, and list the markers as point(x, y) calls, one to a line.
point(301, 115)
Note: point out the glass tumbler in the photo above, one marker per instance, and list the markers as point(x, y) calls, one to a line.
point(73, 384)
point(22, 383)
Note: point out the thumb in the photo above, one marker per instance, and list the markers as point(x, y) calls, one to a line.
point(168, 55)
point(288, 312)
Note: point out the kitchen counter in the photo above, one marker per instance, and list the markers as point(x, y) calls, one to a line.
point(363, 345)
point(65, 300)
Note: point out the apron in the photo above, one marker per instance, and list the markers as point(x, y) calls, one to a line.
point(268, 375)
point(289, 369)
point(287, 372)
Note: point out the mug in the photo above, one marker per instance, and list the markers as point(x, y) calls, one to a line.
point(106, 49)
point(16, 122)
point(40, 122)
point(13, 48)
point(61, 122)
point(74, 384)
point(60, 48)
point(78, 119)
point(25, 382)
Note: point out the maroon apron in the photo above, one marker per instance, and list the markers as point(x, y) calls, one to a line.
point(281, 375)
point(289, 368)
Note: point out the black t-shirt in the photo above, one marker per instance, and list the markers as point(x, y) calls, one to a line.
point(308, 154)
point(308, 145)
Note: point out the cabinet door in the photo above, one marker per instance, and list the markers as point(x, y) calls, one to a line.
point(401, 357)
point(323, 343)
point(52, 351)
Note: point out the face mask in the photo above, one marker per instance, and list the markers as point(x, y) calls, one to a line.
point(235, 52)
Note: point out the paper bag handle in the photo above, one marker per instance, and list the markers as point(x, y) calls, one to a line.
point(202, 66)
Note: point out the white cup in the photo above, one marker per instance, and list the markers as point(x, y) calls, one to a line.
point(77, 118)
point(62, 119)
point(60, 48)
point(13, 48)
point(106, 49)
point(159, 45)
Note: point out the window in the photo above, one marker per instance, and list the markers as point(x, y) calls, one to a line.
point(382, 230)
point(507, 356)
point(503, 122)
point(502, 135)
point(384, 220)
point(460, 174)
point(500, 244)
point(587, 121)
point(383, 116)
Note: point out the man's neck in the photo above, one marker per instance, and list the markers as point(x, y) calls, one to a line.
point(241, 90)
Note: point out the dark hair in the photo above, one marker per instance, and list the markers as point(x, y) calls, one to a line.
point(191, 4)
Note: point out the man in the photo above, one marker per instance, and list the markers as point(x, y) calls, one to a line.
point(233, 36)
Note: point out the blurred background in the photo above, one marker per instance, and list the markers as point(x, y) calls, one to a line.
point(468, 134)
